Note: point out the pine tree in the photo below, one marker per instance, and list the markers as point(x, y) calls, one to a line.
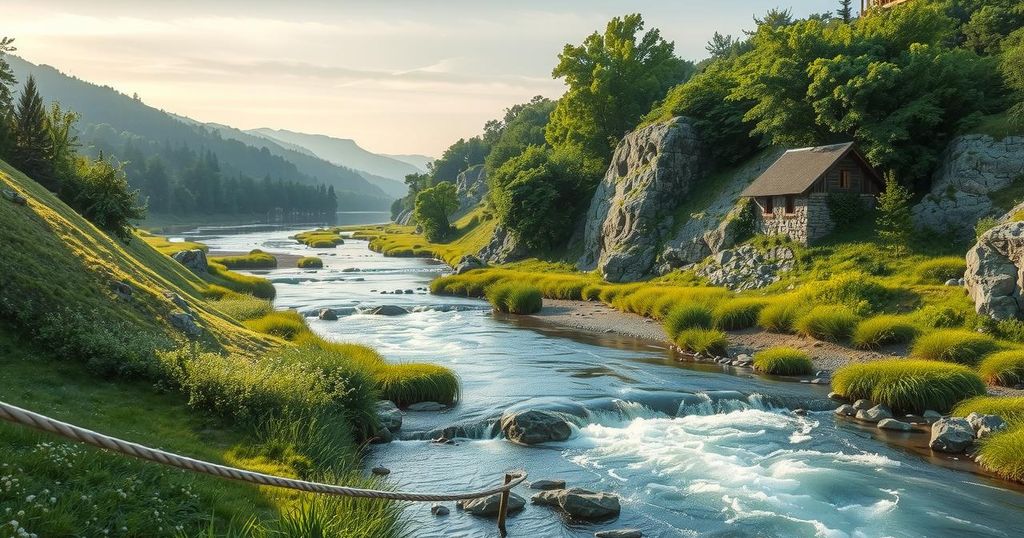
point(33, 148)
point(894, 219)
point(845, 10)
point(7, 82)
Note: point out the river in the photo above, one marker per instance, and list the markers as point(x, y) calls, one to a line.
point(686, 458)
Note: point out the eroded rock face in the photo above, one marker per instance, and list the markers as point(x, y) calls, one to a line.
point(993, 276)
point(630, 215)
point(973, 167)
point(193, 260)
point(470, 187)
point(503, 248)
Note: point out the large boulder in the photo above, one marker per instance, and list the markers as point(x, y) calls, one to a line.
point(387, 310)
point(985, 425)
point(973, 168)
point(993, 276)
point(584, 504)
point(952, 435)
point(488, 506)
point(504, 247)
point(186, 323)
point(630, 215)
point(194, 260)
point(468, 263)
point(533, 427)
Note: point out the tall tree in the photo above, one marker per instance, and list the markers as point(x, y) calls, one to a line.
point(613, 77)
point(60, 125)
point(7, 82)
point(845, 11)
point(33, 148)
point(894, 219)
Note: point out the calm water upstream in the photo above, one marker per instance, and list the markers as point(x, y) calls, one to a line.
point(687, 458)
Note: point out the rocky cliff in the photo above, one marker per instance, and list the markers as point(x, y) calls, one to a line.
point(994, 271)
point(471, 187)
point(974, 170)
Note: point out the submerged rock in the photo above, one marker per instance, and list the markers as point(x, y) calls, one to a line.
point(426, 406)
point(327, 314)
point(389, 415)
point(953, 435)
point(488, 506)
point(894, 425)
point(845, 410)
point(534, 427)
point(387, 310)
point(439, 510)
point(619, 533)
point(875, 414)
point(547, 484)
point(380, 471)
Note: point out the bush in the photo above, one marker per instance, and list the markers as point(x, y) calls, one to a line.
point(906, 385)
point(828, 322)
point(287, 324)
point(737, 314)
point(244, 308)
point(780, 314)
point(783, 361)
point(858, 291)
point(954, 345)
point(939, 270)
point(591, 292)
point(1005, 368)
point(1010, 409)
point(256, 259)
point(1003, 454)
point(937, 317)
point(309, 262)
point(884, 330)
point(515, 298)
point(687, 316)
point(704, 341)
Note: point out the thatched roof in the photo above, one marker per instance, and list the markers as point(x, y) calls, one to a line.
point(798, 169)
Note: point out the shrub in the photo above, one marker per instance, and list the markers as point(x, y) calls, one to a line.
point(591, 292)
point(858, 291)
point(515, 298)
point(704, 341)
point(687, 316)
point(287, 324)
point(939, 270)
point(256, 259)
point(828, 322)
point(309, 262)
point(1005, 368)
point(939, 317)
point(783, 361)
point(884, 330)
point(907, 385)
point(1003, 454)
point(1010, 409)
point(244, 308)
point(954, 345)
point(406, 384)
point(780, 315)
point(737, 314)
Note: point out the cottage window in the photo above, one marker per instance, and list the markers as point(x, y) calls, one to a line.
point(844, 179)
point(790, 205)
point(769, 206)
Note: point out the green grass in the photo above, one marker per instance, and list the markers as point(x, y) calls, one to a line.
point(320, 238)
point(1004, 368)
point(244, 307)
point(1003, 454)
point(237, 282)
point(833, 323)
point(737, 314)
point(472, 233)
point(1010, 409)
point(309, 262)
point(906, 385)
point(687, 316)
point(884, 330)
point(783, 361)
point(286, 324)
point(781, 313)
point(954, 345)
point(256, 259)
point(515, 298)
point(939, 270)
point(704, 341)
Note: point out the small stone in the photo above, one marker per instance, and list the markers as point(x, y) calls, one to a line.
point(546, 498)
point(862, 404)
point(547, 484)
point(800, 412)
point(439, 510)
point(845, 410)
point(585, 504)
point(932, 415)
point(952, 282)
point(619, 533)
point(387, 310)
point(894, 425)
point(488, 506)
point(953, 435)
point(14, 197)
point(380, 471)
point(875, 414)
point(389, 415)
point(835, 396)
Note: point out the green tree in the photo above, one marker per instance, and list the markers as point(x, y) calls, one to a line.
point(60, 124)
point(102, 196)
point(433, 206)
point(460, 156)
point(522, 126)
point(613, 79)
point(1012, 66)
point(720, 45)
point(33, 148)
point(894, 221)
point(7, 82)
point(845, 11)
point(991, 23)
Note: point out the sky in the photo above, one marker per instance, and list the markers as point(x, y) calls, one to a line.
point(398, 76)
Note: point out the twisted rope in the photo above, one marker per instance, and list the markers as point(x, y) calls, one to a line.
point(24, 417)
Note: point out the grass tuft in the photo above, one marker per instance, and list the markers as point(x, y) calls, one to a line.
point(704, 341)
point(244, 307)
point(287, 324)
point(884, 330)
point(783, 361)
point(954, 345)
point(1004, 368)
point(320, 238)
point(1011, 409)
point(687, 316)
point(515, 298)
point(939, 270)
point(255, 259)
point(309, 262)
point(1003, 454)
point(780, 314)
point(737, 314)
point(833, 323)
point(912, 386)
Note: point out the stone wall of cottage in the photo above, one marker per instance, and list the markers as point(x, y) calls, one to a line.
point(810, 220)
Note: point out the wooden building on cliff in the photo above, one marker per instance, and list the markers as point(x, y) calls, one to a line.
point(791, 197)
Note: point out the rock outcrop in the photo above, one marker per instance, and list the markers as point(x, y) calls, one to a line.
point(470, 187)
point(973, 168)
point(503, 248)
point(652, 170)
point(746, 267)
point(194, 260)
point(993, 276)
point(404, 218)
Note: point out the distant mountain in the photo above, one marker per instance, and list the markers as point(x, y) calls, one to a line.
point(344, 152)
point(103, 109)
point(419, 161)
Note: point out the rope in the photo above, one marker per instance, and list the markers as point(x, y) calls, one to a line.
point(24, 417)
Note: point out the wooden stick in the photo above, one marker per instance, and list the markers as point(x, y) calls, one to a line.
point(503, 508)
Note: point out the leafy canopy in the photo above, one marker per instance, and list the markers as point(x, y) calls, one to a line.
point(433, 205)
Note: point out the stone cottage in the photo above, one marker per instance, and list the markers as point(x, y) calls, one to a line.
point(791, 196)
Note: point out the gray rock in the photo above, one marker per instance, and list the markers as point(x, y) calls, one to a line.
point(177, 301)
point(862, 404)
point(932, 415)
point(470, 188)
point(532, 427)
point(382, 436)
point(952, 435)
point(619, 533)
point(194, 260)
point(985, 425)
point(184, 322)
point(993, 265)
point(380, 471)
point(875, 414)
point(835, 396)
point(584, 504)
point(894, 425)
point(13, 197)
point(327, 314)
point(439, 510)
point(547, 484)
point(746, 267)
point(845, 410)
point(387, 310)
point(953, 282)
point(504, 247)
point(469, 263)
point(546, 498)
point(389, 415)
point(488, 506)
point(426, 406)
